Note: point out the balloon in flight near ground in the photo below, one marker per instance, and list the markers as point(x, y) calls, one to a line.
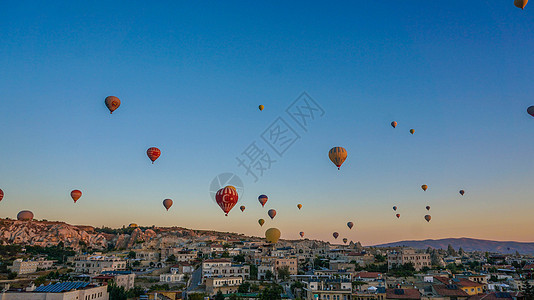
point(337, 155)
point(261, 222)
point(335, 235)
point(424, 187)
point(345, 240)
point(242, 208)
point(75, 195)
point(520, 3)
point(299, 206)
point(428, 218)
point(301, 234)
point(1, 194)
point(427, 207)
point(167, 203)
point(227, 199)
point(271, 213)
point(397, 215)
point(530, 110)
point(25, 215)
point(261, 107)
point(112, 103)
point(153, 153)
point(272, 235)
point(462, 192)
point(393, 124)
point(412, 131)
point(394, 208)
point(263, 199)
point(350, 225)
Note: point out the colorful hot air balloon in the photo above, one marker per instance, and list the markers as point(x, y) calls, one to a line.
point(231, 187)
point(227, 199)
point(272, 235)
point(520, 3)
point(337, 155)
point(1, 194)
point(167, 203)
point(345, 240)
point(335, 234)
point(112, 103)
point(299, 206)
point(261, 222)
point(263, 199)
point(301, 234)
point(412, 131)
point(271, 213)
point(25, 215)
point(427, 218)
point(153, 153)
point(261, 107)
point(424, 187)
point(393, 124)
point(462, 192)
point(427, 207)
point(350, 225)
point(394, 208)
point(242, 208)
point(397, 215)
point(530, 110)
point(75, 195)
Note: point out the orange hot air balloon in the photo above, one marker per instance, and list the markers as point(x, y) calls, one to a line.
point(412, 131)
point(263, 199)
point(242, 208)
point(335, 234)
point(227, 199)
point(75, 195)
point(345, 240)
point(167, 203)
point(1, 194)
point(299, 206)
point(394, 208)
point(397, 215)
point(428, 218)
point(424, 187)
point(271, 213)
point(112, 103)
point(261, 107)
point(350, 225)
point(153, 153)
point(337, 155)
point(393, 124)
point(261, 222)
point(301, 234)
point(272, 235)
point(25, 215)
point(427, 207)
point(462, 192)
point(520, 3)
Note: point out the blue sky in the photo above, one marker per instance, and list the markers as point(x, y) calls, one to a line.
point(191, 75)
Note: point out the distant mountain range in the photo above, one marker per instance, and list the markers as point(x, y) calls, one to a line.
point(467, 244)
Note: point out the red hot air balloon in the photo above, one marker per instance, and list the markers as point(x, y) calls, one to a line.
point(335, 235)
point(263, 199)
point(1, 194)
point(301, 234)
point(462, 192)
point(271, 213)
point(242, 208)
point(427, 207)
point(75, 195)
point(112, 103)
point(227, 199)
point(350, 225)
point(428, 218)
point(153, 153)
point(397, 215)
point(167, 203)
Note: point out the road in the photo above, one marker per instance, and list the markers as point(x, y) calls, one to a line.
point(195, 280)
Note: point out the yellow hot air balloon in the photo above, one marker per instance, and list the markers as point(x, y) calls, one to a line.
point(261, 107)
point(424, 187)
point(272, 235)
point(299, 206)
point(337, 155)
point(520, 3)
point(261, 222)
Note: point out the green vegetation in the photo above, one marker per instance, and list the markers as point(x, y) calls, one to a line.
point(405, 270)
point(244, 288)
point(283, 273)
point(58, 253)
point(196, 296)
point(219, 296)
point(273, 292)
point(119, 293)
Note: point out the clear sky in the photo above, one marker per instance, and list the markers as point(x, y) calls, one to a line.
point(191, 77)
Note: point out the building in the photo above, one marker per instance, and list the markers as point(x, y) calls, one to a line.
point(403, 294)
point(263, 270)
point(418, 259)
point(99, 264)
point(60, 291)
point(227, 285)
point(172, 277)
point(183, 268)
point(327, 289)
point(290, 263)
point(125, 279)
point(30, 266)
point(224, 268)
point(469, 287)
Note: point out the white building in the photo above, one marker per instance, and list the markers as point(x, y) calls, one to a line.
point(99, 264)
point(418, 259)
point(172, 277)
point(125, 279)
point(60, 291)
point(223, 268)
point(227, 285)
point(30, 266)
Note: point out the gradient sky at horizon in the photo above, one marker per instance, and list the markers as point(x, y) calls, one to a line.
point(191, 76)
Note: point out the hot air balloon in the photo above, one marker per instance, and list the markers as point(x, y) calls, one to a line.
point(394, 208)
point(393, 124)
point(271, 213)
point(345, 240)
point(167, 203)
point(530, 110)
point(153, 153)
point(301, 234)
point(350, 225)
point(25, 215)
point(427, 207)
point(335, 234)
point(112, 103)
point(1, 194)
point(520, 3)
point(242, 208)
point(231, 187)
point(299, 206)
point(261, 107)
point(272, 235)
point(133, 225)
point(75, 195)
point(397, 215)
point(263, 199)
point(227, 199)
point(261, 222)
point(412, 131)
point(424, 187)
point(337, 155)
point(427, 218)
point(462, 192)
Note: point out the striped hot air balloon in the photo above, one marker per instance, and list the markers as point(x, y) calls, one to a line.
point(1, 194)
point(227, 199)
point(337, 155)
point(153, 153)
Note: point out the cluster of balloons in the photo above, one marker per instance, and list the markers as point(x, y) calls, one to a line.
point(394, 124)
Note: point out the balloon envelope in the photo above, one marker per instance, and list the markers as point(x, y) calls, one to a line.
point(345, 240)
point(112, 103)
point(299, 206)
point(427, 207)
point(261, 222)
point(272, 235)
point(242, 208)
point(394, 208)
point(227, 199)
point(412, 131)
point(520, 3)
point(397, 215)
point(167, 203)
point(335, 234)
point(393, 124)
point(263, 199)
point(1, 194)
point(337, 155)
point(462, 192)
point(75, 195)
point(153, 153)
point(427, 218)
point(350, 225)
point(424, 187)
point(261, 107)
point(301, 234)
point(271, 213)
point(530, 110)
point(25, 215)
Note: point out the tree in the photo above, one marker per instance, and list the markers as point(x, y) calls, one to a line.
point(196, 296)
point(283, 273)
point(11, 275)
point(117, 292)
point(219, 296)
point(239, 258)
point(461, 251)
point(528, 290)
point(380, 258)
point(244, 288)
point(269, 275)
point(131, 254)
point(171, 258)
point(225, 254)
point(271, 293)
point(451, 251)
point(253, 271)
